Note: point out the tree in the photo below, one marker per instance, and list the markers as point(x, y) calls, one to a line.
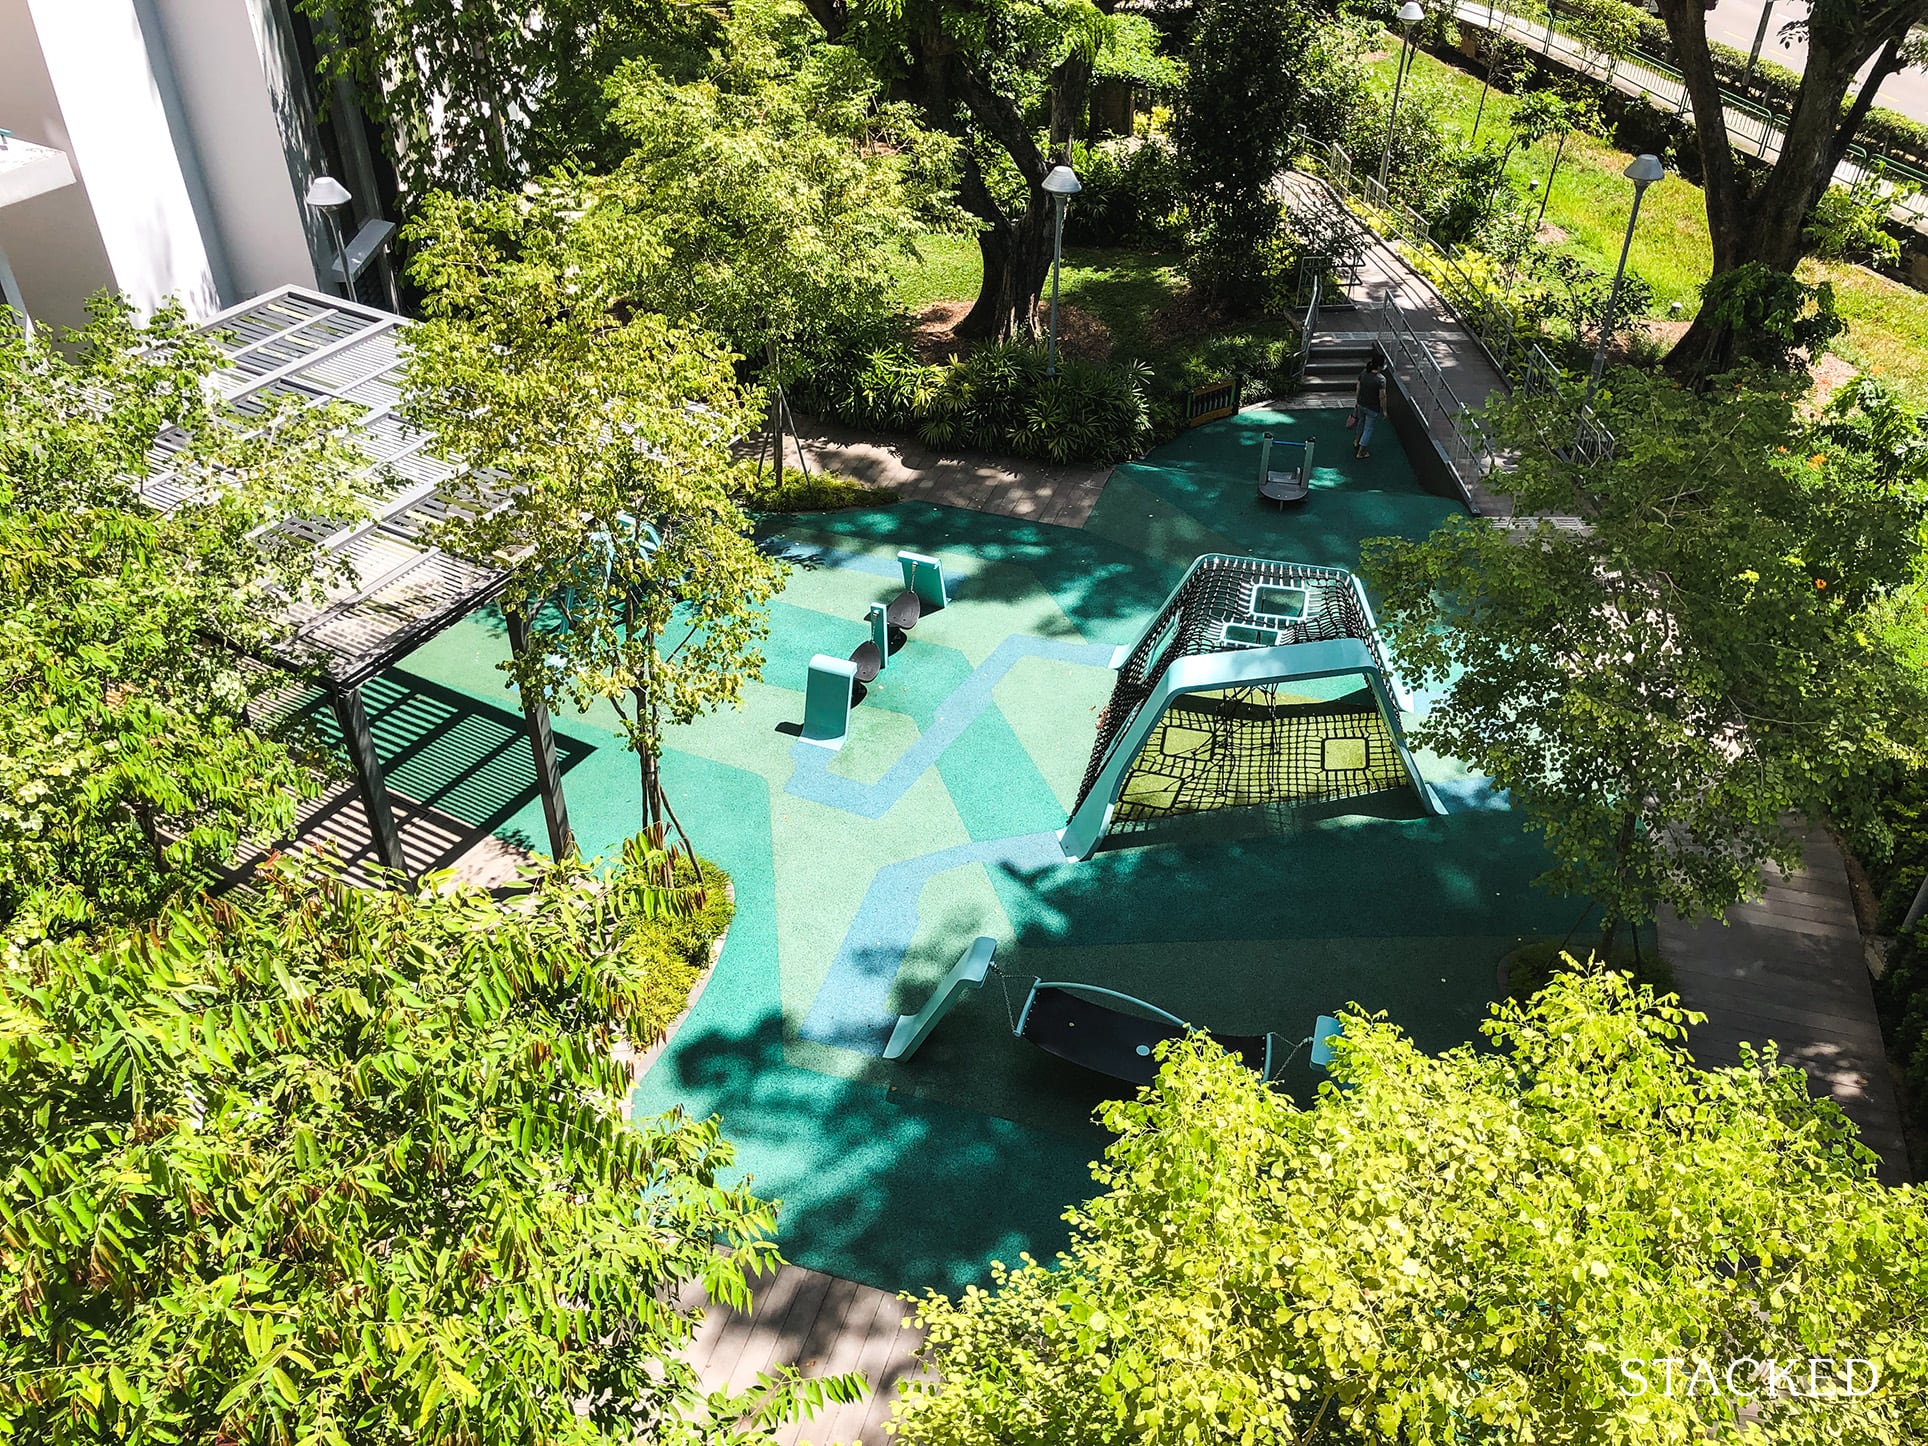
point(1506, 60)
point(1764, 222)
point(477, 94)
point(1236, 113)
point(1609, 28)
point(598, 436)
point(769, 200)
point(127, 764)
point(1658, 684)
point(978, 70)
point(338, 1165)
point(1477, 1246)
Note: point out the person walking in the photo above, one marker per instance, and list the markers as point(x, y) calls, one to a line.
point(1369, 402)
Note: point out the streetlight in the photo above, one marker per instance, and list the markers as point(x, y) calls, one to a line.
point(1063, 184)
point(327, 195)
point(1643, 172)
point(1410, 14)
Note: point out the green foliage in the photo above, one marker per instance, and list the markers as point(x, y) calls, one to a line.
point(1246, 71)
point(1850, 223)
point(1609, 27)
point(1531, 967)
point(770, 199)
point(996, 399)
point(597, 439)
point(1457, 1248)
point(338, 1165)
point(1901, 993)
point(1130, 195)
point(127, 766)
point(817, 492)
point(1657, 685)
point(474, 96)
point(1784, 322)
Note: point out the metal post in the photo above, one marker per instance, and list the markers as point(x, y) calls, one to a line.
point(1613, 298)
point(542, 742)
point(1057, 260)
point(1917, 908)
point(341, 258)
point(353, 719)
point(1392, 118)
point(1760, 36)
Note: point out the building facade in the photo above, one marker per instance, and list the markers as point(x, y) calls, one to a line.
point(192, 129)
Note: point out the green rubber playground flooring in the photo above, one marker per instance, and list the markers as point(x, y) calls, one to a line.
point(861, 876)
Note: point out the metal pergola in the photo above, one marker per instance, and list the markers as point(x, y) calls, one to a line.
point(398, 589)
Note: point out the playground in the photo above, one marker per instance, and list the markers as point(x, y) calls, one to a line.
point(863, 872)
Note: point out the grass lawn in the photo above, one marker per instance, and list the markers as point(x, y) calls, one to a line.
point(1590, 198)
point(1122, 288)
point(1888, 322)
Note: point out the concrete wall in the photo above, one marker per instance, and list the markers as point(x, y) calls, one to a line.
point(190, 128)
point(76, 74)
point(243, 112)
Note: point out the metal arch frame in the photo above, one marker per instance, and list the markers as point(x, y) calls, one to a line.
point(1208, 672)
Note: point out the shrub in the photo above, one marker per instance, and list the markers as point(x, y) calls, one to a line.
point(1850, 223)
point(995, 399)
point(1130, 195)
point(1531, 966)
point(816, 492)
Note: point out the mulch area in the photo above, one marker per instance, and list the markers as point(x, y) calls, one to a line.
point(934, 339)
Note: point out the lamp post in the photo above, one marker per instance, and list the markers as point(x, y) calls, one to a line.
point(1643, 172)
point(1410, 14)
point(327, 195)
point(1063, 184)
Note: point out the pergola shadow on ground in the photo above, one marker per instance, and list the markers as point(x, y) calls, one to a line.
point(399, 590)
point(457, 772)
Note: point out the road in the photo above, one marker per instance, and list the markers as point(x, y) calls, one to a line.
point(1736, 22)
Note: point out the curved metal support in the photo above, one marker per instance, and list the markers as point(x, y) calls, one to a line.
point(1075, 987)
point(1238, 667)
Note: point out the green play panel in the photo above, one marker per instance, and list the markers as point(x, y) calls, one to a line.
point(862, 875)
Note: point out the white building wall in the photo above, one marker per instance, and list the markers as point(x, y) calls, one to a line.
point(247, 112)
point(83, 71)
point(189, 126)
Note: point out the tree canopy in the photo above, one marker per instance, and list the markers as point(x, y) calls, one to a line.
point(1657, 681)
point(1479, 1246)
point(351, 1166)
point(126, 763)
point(602, 431)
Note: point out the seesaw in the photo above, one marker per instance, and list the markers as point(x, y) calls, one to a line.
point(831, 690)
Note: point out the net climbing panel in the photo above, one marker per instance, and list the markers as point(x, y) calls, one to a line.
point(1205, 716)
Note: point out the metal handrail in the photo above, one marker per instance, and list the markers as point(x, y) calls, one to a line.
point(1760, 126)
point(1494, 326)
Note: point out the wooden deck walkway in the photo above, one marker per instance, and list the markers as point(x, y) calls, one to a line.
point(1791, 968)
point(822, 1325)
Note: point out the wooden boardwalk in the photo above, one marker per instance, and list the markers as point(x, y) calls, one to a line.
point(1791, 968)
point(824, 1326)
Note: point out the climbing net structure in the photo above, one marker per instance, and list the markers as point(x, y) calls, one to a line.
point(1205, 714)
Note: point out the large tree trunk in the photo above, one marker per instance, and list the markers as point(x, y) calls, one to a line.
point(1766, 223)
point(1016, 249)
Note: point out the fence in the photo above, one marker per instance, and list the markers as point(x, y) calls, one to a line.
point(1510, 345)
point(1751, 126)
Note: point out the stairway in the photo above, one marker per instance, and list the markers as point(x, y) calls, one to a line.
point(1333, 364)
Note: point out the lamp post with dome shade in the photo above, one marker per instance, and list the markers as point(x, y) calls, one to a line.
point(1062, 183)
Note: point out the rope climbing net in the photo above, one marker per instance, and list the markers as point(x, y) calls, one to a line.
point(1252, 746)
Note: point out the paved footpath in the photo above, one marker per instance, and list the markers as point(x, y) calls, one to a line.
point(1792, 968)
point(1035, 491)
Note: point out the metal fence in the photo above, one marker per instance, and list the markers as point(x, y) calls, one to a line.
point(1751, 127)
point(1452, 424)
point(1512, 345)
